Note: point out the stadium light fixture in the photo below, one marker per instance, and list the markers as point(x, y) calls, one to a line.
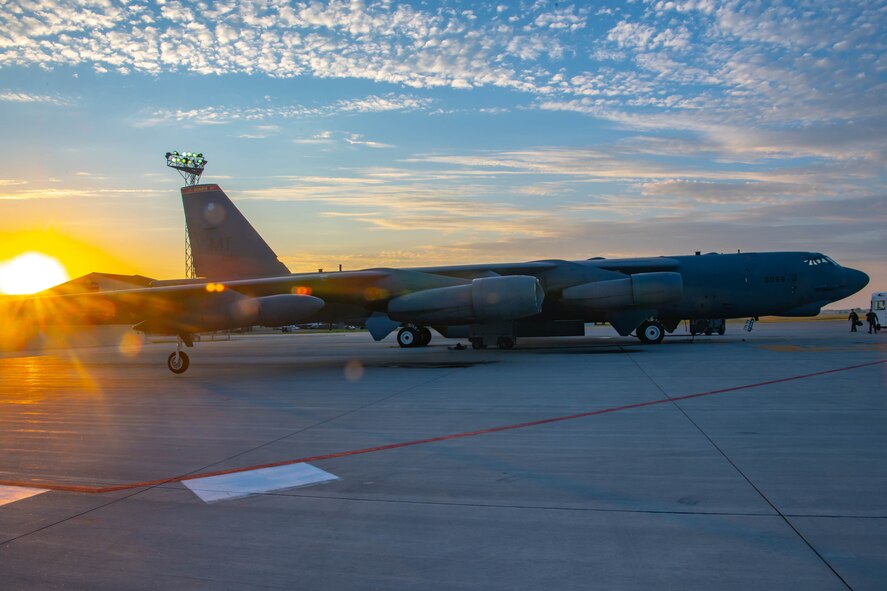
point(189, 164)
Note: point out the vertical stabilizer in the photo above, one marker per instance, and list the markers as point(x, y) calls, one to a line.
point(223, 243)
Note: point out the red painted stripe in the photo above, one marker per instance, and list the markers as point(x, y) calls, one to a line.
point(366, 450)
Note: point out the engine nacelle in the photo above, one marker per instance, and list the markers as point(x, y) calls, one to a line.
point(483, 300)
point(275, 310)
point(643, 290)
point(232, 310)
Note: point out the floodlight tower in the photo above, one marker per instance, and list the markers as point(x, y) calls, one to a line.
point(190, 165)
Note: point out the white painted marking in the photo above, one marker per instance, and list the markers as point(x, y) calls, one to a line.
point(11, 494)
point(254, 482)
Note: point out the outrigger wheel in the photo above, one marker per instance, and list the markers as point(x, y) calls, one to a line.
point(178, 362)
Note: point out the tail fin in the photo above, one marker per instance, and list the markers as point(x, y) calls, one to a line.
point(223, 243)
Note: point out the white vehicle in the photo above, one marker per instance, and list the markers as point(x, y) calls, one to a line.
point(879, 306)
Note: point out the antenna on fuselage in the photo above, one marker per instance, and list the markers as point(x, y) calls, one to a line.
point(190, 165)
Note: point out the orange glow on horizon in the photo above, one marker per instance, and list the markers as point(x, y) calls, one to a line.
point(76, 256)
point(31, 272)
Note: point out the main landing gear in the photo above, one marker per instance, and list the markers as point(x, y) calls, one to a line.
point(651, 332)
point(178, 361)
point(413, 336)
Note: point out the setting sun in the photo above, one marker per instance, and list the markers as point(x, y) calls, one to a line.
point(30, 272)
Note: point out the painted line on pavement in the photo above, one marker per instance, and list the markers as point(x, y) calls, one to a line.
point(11, 494)
point(226, 487)
point(36, 484)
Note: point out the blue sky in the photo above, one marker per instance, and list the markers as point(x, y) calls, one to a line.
point(403, 134)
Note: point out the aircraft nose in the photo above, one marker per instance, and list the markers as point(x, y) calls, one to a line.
point(853, 280)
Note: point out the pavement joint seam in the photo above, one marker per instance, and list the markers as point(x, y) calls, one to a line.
point(160, 485)
point(741, 473)
point(309, 427)
point(441, 438)
point(69, 518)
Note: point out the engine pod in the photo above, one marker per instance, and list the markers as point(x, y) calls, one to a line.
point(483, 300)
point(640, 289)
point(276, 310)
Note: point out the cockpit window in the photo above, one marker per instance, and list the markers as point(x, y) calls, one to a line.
point(814, 259)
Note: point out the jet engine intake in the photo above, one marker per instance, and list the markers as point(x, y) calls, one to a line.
point(483, 300)
point(641, 290)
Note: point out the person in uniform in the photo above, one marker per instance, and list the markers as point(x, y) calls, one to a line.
point(872, 319)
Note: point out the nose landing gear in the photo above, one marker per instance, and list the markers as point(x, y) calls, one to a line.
point(178, 361)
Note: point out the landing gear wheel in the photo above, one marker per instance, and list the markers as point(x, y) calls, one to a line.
point(722, 330)
point(505, 342)
point(426, 336)
point(178, 362)
point(408, 337)
point(707, 332)
point(477, 343)
point(651, 332)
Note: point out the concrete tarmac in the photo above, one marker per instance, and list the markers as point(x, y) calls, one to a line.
point(779, 482)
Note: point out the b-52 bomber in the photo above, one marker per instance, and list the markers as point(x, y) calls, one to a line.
point(242, 283)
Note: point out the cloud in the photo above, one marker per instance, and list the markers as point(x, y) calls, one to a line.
point(221, 115)
point(646, 37)
point(409, 201)
point(333, 138)
point(401, 44)
point(10, 96)
point(355, 140)
point(732, 65)
point(260, 132)
point(52, 193)
point(729, 193)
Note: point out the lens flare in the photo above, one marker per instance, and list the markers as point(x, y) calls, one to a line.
point(30, 272)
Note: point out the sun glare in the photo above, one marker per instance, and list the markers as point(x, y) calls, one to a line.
point(29, 273)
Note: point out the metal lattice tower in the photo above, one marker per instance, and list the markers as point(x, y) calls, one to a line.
point(190, 165)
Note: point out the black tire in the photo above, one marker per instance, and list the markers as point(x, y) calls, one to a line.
point(478, 343)
point(181, 366)
point(707, 332)
point(426, 336)
point(408, 337)
point(651, 332)
point(505, 342)
point(721, 330)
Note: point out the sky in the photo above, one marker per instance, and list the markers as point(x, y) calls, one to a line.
point(422, 133)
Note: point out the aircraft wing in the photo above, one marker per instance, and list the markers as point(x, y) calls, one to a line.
point(172, 309)
point(198, 305)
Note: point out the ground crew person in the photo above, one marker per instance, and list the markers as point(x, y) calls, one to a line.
point(854, 320)
point(872, 319)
